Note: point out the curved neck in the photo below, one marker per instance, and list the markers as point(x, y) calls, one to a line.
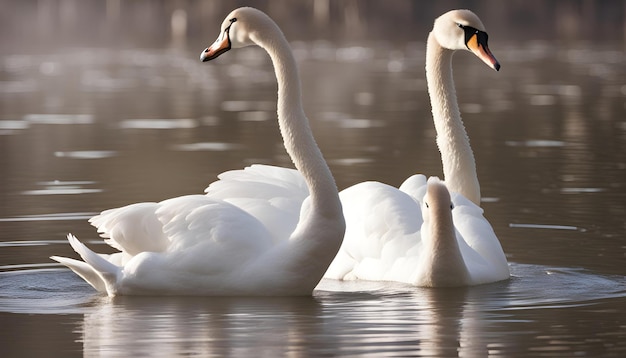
point(295, 129)
point(459, 168)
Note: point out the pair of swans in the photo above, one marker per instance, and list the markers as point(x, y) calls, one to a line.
point(266, 230)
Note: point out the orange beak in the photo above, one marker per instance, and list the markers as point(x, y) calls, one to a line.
point(477, 43)
point(221, 45)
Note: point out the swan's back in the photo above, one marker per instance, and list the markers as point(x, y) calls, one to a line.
point(273, 195)
point(381, 225)
point(389, 237)
point(482, 251)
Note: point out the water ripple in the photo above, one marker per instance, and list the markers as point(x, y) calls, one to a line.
point(86, 154)
point(347, 318)
point(543, 226)
point(59, 118)
point(530, 287)
point(207, 146)
point(28, 243)
point(13, 125)
point(536, 143)
point(158, 124)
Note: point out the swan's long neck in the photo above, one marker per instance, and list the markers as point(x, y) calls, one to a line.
point(295, 130)
point(459, 167)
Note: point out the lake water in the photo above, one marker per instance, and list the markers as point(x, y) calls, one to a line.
point(86, 129)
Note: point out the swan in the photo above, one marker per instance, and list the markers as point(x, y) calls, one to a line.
point(201, 245)
point(388, 237)
point(385, 240)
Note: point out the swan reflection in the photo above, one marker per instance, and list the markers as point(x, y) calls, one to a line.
point(343, 318)
point(171, 326)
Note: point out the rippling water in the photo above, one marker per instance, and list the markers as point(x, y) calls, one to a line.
point(89, 129)
point(541, 310)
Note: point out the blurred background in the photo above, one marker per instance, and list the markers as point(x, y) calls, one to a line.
point(42, 25)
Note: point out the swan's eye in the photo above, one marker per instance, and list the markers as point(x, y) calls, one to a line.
point(451, 206)
point(227, 29)
point(425, 203)
point(461, 26)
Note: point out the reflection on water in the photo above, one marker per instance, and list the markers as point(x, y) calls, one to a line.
point(83, 130)
point(350, 318)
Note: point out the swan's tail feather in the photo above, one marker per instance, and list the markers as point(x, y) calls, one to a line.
point(83, 270)
point(107, 271)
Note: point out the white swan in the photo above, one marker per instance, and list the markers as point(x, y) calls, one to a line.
point(384, 240)
point(386, 236)
point(200, 245)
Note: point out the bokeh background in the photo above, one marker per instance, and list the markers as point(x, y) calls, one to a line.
point(43, 25)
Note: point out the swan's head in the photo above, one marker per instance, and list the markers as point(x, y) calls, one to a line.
point(463, 30)
point(239, 29)
point(437, 207)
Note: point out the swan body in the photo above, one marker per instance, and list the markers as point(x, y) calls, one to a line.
point(390, 234)
point(206, 245)
point(435, 240)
